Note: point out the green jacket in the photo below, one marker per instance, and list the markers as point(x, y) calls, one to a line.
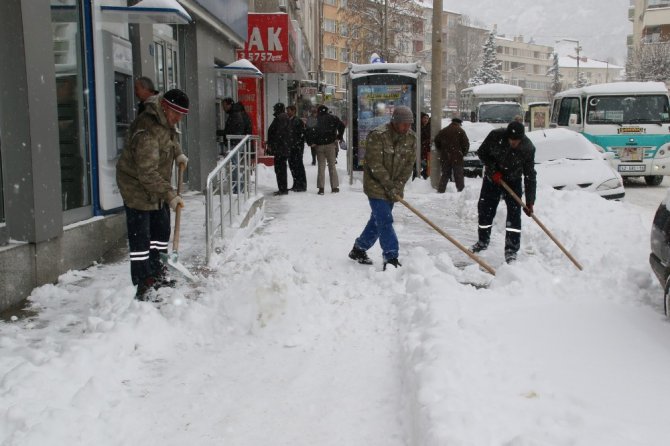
point(389, 160)
point(144, 170)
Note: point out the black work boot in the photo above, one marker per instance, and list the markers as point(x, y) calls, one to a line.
point(360, 256)
point(145, 290)
point(162, 279)
point(393, 262)
point(510, 256)
point(479, 246)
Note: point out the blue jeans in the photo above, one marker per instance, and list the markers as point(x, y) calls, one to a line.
point(380, 226)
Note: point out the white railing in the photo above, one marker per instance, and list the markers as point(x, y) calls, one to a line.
point(231, 181)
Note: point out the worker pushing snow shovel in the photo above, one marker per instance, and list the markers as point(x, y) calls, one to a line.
point(144, 176)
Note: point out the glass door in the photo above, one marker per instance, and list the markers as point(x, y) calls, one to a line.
point(75, 165)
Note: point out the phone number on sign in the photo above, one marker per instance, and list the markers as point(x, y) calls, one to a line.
point(264, 57)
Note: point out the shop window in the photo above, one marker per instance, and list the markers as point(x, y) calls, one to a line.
point(66, 19)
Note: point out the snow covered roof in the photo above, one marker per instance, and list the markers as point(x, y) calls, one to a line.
point(585, 62)
point(408, 69)
point(496, 89)
point(619, 88)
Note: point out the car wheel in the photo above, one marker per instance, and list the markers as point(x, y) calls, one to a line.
point(653, 180)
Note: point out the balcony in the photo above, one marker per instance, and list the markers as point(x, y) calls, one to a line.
point(657, 15)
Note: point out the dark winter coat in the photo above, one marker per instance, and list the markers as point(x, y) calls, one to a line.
point(498, 156)
point(389, 160)
point(144, 169)
point(452, 143)
point(329, 128)
point(279, 135)
point(237, 121)
point(425, 140)
point(297, 134)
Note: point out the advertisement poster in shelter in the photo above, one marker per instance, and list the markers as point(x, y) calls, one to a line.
point(375, 107)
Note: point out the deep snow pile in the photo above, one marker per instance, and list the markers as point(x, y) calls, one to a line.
point(291, 343)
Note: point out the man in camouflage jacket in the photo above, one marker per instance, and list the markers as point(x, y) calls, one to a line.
point(390, 154)
point(144, 177)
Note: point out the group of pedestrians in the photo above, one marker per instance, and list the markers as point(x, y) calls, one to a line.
point(508, 157)
point(152, 148)
point(287, 136)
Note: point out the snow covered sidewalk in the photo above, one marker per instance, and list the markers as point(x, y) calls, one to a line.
point(292, 343)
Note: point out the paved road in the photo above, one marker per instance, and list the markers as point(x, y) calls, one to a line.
point(647, 197)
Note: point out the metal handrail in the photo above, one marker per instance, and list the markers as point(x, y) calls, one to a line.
point(231, 180)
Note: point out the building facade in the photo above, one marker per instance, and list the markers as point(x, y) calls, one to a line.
point(67, 99)
point(525, 64)
point(651, 22)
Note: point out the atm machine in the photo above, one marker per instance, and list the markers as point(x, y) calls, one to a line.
point(117, 114)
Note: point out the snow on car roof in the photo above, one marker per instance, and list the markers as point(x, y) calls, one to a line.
point(553, 144)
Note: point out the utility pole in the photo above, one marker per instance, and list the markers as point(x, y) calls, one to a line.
point(578, 49)
point(385, 21)
point(436, 90)
point(319, 11)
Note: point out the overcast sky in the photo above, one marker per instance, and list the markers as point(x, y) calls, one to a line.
point(601, 26)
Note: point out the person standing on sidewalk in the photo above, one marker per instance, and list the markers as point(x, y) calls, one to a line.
point(297, 150)
point(328, 130)
point(425, 144)
point(508, 155)
point(390, 154)
point(279, 141)
point(310, 125)
point(144, 89)
point(452, 143)
point(237, 122)
point(144, 177)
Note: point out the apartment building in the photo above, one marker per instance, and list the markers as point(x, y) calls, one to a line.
point(525, 64)
point(651, 22)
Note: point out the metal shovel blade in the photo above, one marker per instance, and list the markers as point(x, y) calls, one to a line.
point(173, 262)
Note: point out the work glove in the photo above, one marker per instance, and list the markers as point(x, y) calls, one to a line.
point(497, 177)
point(528, 209)
point(176, 201)
point(392, 193)
point(182, 159)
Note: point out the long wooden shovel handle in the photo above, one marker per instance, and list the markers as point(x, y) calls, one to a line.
point(177, 212)
point(537, 220)
point(469, 253)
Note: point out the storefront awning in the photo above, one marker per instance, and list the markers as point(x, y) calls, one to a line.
point(241, 68)
point(167, 12)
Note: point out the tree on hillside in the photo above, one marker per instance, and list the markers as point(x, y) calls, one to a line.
point(385, 27)
point(489, 70)
point(649, 62)
point(464, 51)
point(554, 73)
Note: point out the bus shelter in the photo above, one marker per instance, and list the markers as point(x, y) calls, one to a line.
point(373, 91)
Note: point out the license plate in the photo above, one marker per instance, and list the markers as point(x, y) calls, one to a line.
point(623, 168)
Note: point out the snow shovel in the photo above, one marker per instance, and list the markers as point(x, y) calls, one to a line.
point(173, 257)
point(469, 253)
point(544, 228)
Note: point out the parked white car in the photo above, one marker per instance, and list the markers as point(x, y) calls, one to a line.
point(566, 160)
point(477, 132)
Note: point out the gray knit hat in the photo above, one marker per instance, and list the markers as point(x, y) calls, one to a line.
point(402, 114)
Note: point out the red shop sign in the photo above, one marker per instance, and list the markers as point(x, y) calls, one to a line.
point(270, 43)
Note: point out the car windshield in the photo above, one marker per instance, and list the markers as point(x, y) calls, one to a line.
point(647, 109)
point(555, 144)
point(499, 112)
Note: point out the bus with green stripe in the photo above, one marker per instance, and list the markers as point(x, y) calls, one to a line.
point(629, 120)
